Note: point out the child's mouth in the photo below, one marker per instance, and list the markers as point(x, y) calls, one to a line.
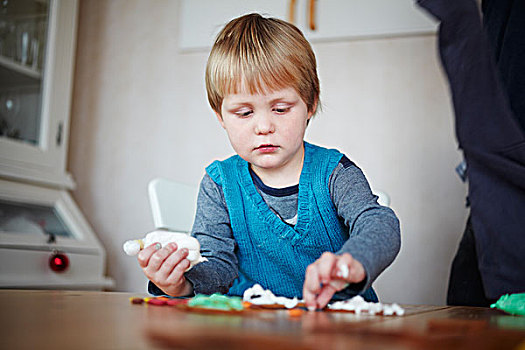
point(267, 148)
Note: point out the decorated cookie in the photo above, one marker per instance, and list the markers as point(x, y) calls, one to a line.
point(216, 302)
point(260, 297)
point(358, 305)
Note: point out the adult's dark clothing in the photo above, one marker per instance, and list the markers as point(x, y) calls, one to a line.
point(493, 146)
point(504, 23)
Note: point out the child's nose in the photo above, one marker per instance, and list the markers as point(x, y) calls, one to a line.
point(264, 124)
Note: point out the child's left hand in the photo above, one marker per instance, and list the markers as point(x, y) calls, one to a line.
point(326, 276)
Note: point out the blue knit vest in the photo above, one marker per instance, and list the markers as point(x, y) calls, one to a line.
point(270, 252)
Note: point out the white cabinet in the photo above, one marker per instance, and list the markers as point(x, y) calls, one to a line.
point(39, 225)
point(45, 241)
point(36, 69)
point(201, 20)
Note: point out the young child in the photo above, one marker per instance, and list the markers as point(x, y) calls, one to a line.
point(296, 218)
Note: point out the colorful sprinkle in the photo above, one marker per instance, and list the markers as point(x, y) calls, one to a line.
point(136, 300)
point(156, 301)
point(295, 312)
point(173, 302)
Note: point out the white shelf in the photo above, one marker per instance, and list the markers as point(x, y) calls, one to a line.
point(14, 73)
point(19, 68)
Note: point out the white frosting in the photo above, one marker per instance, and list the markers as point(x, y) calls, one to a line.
point(358, 305)
point(131, 247)
point(183, 240)
point(259, 296)
point(343, 271)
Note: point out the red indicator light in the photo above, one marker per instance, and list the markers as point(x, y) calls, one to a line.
point(59, 262)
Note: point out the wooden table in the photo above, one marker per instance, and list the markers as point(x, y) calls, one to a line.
point(107, 320)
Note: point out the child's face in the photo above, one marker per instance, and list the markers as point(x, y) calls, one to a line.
point(267, 130)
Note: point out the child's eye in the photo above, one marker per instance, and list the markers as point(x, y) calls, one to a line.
point(281, 110)
point(244, 113)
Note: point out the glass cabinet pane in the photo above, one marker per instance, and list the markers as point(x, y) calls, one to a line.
point(23, 37)
point(31, 219)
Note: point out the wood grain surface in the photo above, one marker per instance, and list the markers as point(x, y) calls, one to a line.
point(108, 320)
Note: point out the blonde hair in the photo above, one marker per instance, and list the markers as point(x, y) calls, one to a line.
point(261, 54)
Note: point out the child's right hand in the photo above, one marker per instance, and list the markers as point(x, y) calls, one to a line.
point(165, 267)
point(324, 278)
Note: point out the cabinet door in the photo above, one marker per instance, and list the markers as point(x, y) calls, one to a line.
point(201, 20)
point(358, 19)
point(36, 67)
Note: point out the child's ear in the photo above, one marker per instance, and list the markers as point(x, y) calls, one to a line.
point(219, 117)
point(312, 112)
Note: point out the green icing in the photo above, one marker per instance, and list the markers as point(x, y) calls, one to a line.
point(512, 303)
point(217, 302)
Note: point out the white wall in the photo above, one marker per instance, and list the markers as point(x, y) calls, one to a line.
point(140, 111)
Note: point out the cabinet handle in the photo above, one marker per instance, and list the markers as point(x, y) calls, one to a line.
point(311, 14)
point(59, 134)
point(291, 12)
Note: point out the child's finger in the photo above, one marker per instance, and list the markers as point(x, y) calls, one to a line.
point(325, 266)
point(310, 300)
point(145, 254)
point(312, 282)
point(178, 272)
point(356, 271)
point(344, 265)
point(158, 258)
point(311, 287)
point(325, 296)
point(171, 262)
point(338, 284)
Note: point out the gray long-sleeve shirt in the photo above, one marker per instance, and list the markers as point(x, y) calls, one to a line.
point(374, 229)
